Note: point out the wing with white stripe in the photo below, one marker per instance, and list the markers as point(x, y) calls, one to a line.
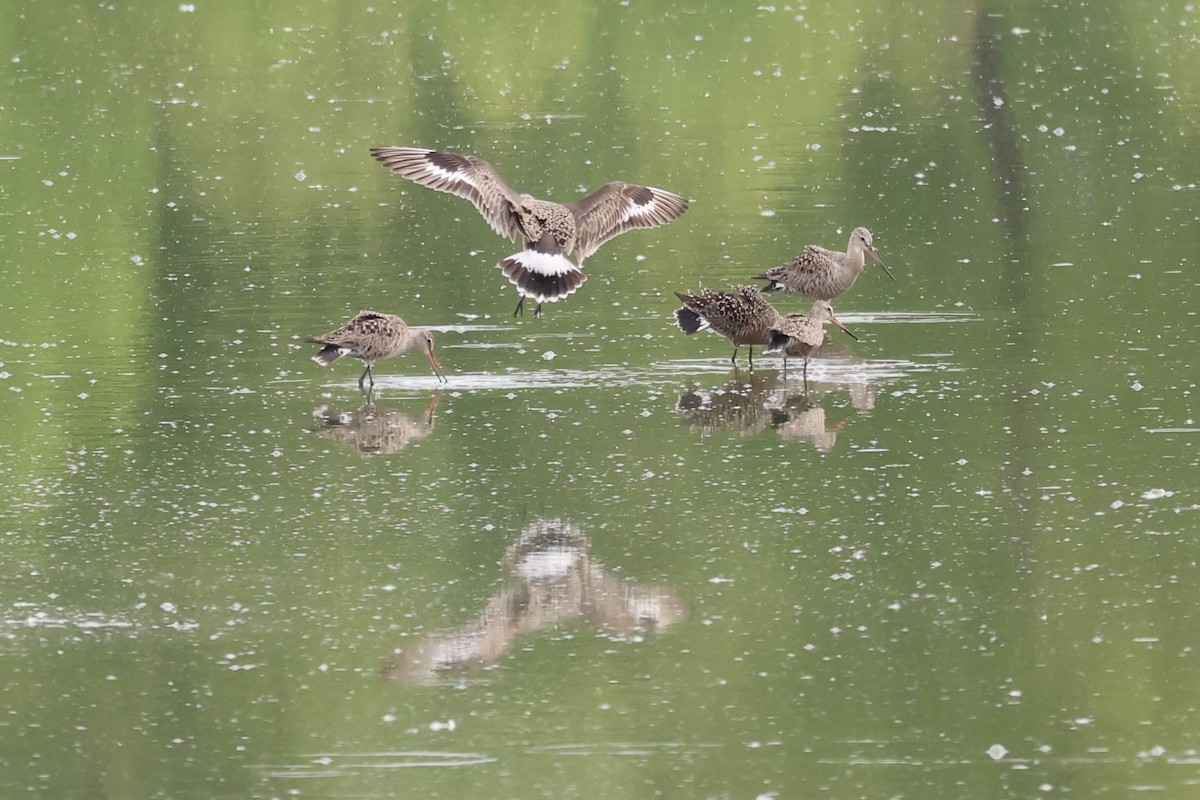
point(618, 207)
point(459, 174)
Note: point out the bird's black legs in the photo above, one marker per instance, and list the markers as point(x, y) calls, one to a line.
point(520, 312)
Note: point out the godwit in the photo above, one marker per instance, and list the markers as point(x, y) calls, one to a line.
point(742, 316)
point(551, 231)
point(802, 334)
point(372, 337)
point(821, 274)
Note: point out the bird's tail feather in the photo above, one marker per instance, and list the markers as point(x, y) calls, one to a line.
point(778, 342)
point(542, 277)
point(330, 354)
point(689, 321)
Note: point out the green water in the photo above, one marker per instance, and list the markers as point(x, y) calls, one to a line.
point(599, 562)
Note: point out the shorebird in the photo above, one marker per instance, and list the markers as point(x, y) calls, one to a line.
point(802, 334)
point(742, 316)
point(821, 274)
point(551, 231)
point(373, 337)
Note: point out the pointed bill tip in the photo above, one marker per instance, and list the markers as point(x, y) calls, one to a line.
point(837, 324)
point(879, 261)
point(437, 367)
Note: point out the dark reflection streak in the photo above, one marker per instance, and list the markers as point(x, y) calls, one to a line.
point(996, 110)
point(183, 276)
point(1022, 326)
point(604, 83)
point(437, 103)
point(429, 111)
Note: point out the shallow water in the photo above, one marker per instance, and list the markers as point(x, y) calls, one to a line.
point(601, 561)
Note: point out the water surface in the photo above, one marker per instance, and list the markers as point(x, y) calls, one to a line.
point(602, 561)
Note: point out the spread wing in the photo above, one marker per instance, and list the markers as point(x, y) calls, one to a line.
point(459, 174)
point(618, 207)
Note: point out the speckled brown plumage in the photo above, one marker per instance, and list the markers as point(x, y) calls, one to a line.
point(801, 335)
point(821, 274)
point(372, 336)
point(551, 231)
point(742, 316)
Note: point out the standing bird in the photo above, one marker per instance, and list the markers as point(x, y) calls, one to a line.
point(802, 334)
point(551, 231)
point(743, 316)
point(372, 337)
point(821, 274)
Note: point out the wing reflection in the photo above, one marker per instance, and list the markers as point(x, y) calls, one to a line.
point(373, 429)
point(557, 580)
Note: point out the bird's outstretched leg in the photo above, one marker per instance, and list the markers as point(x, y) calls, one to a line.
point(520, 312)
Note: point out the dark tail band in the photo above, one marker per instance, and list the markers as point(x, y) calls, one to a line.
point(542, 286)
point(778, 342)
point(689, 321)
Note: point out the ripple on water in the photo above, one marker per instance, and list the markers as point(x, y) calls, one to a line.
point(335, 765)
point(663, 373)
point(622, 749)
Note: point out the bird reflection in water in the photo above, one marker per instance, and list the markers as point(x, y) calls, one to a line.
point(740, 406)
point(750, 404)
point(555, 580)
point(373, 429)
point(862, 390)
point(802, 419)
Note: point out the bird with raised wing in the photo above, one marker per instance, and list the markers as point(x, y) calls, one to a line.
point(550, 231)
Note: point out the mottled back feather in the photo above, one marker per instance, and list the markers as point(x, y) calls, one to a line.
point(743, 316)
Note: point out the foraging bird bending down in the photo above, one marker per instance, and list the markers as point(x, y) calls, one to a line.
point(742, 316)
point(802, 334)
point(821, 274)
point(551, 231)
point(372, 337)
